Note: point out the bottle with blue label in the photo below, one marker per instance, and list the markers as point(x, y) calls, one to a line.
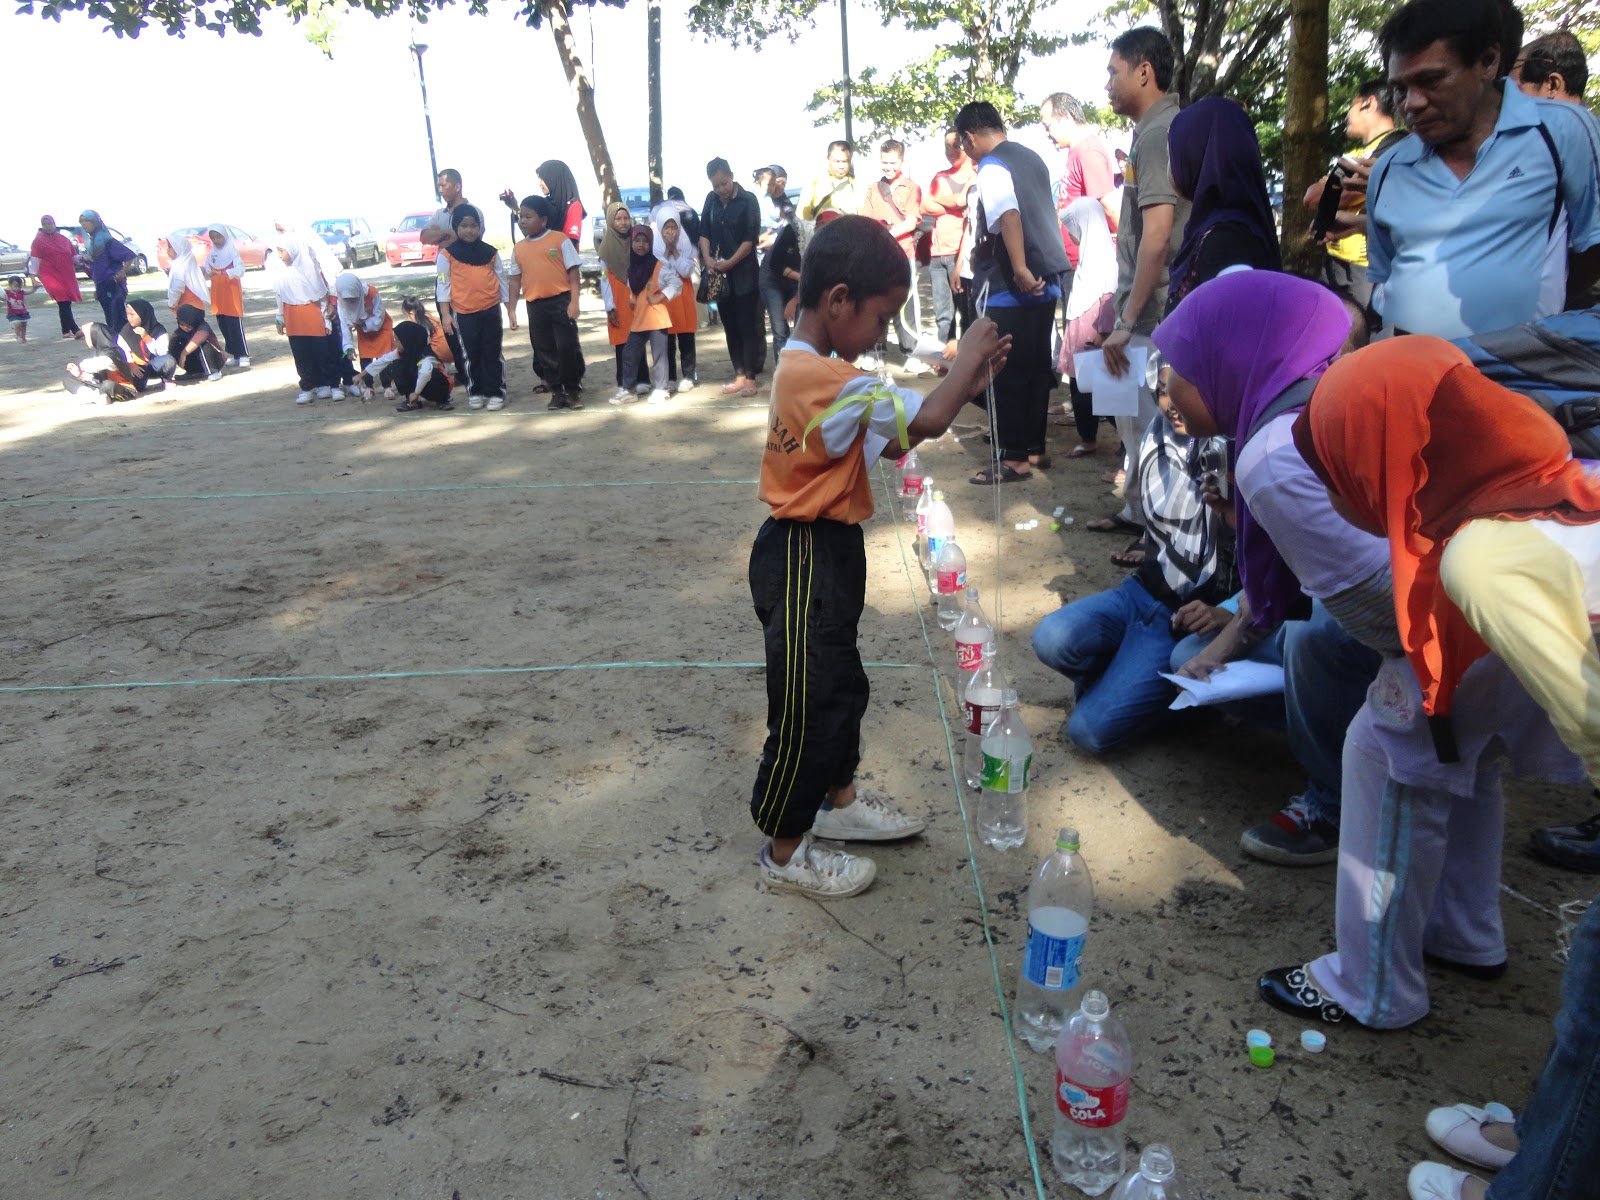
point(1060, 904)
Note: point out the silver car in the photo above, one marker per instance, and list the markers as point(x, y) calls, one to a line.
point(13, 260)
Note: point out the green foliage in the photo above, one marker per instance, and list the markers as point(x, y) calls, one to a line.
point(920, 98)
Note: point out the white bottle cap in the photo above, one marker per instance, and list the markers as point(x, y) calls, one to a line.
point(1258, 1037)
point(1313, 1041)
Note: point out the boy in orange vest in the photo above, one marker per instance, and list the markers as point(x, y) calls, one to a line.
point(828, 423)
point(544, 267)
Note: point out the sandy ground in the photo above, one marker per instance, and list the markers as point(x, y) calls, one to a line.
point(492, 929)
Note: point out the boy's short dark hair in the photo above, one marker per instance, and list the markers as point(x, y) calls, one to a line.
point(841, 144)
point(1147, 44)
point(1556, 53)
point(1471, 28)
point(540, 205)
point(718, 166)
point(453, 175)
point(674, 193)
point(978, 115)
point(858, 252)
point(1379, 90)
point(1064, 104)
point(891, 146)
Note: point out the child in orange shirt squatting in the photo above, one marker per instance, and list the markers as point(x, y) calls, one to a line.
point(545, 267)
point(472, 286)
point(808, 568)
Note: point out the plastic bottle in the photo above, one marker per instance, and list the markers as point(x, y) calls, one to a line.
point(950, 583)
point(1155, 1178)
point(1093, 1065)
point(924, 507)
point(982, 705)
point(910, 482)
point(1007, 759)
point(1060, 906)
point(941, 525)
point(973, 631)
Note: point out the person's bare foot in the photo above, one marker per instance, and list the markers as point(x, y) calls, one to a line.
point(1473, 1188)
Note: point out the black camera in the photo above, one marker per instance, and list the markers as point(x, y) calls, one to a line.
point(1328, 204)
point(1214, 460)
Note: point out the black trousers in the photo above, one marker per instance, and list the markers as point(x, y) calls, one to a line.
point(68, 323)
point(557, 356)
point(113, 297)
point(809, 582)
point(1022, 389)
point(1083, 415)
point(680, 345)
point(480, 335)
point(316, 359)
point(232, 331)
point(205, 359)
point(741, 326)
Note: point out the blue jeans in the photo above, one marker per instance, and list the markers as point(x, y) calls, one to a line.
point(1560, 1129)
point(774, 299)
point(1112, 645)
point(1326, 677)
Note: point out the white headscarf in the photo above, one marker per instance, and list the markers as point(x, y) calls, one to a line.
point(683, 262)
point(225, 257)
point(352, 295)
point(1096, 275)
point(185, 271)
point(302, 280)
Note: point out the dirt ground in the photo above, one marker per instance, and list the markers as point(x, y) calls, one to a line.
point(409, 880)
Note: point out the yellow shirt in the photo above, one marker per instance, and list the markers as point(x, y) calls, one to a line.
point(1353, 248)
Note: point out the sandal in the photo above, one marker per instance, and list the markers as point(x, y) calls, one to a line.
point(1084, 450)
point(1115, 523)
point(1130, 557)
point(1041, 461)
point(1008, 474)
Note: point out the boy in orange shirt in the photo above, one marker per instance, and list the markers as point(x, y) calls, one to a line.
point(828, 423)
point(545, 267)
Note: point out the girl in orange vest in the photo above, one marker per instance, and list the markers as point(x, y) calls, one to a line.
point(186, 279)
point(614, 256)
point(224, 269)
point(305, 306)
point(674, 248)
point(472, 286)
point(638, 306)
point(365, 325)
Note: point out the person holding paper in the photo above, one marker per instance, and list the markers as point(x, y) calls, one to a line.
point(1091, 309)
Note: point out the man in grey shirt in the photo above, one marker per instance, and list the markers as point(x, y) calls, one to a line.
point(1148, 233)
point(437, 231)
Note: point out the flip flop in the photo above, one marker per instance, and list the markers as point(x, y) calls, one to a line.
point(1115, 523)
point(1008, 474)
point(1084, 450)
point(1130, 557)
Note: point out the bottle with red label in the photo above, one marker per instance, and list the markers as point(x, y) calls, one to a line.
point(910, 482)
point(941, 527)
point(1094, 1063)
point(950, 583)
point(981, 705)
point(924, 507)
point(972, 631)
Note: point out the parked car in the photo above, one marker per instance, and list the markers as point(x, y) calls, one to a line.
point(350, 239)
point(638, 202)
point(252, 250)
point(140, 264)
point(403, 244)
point(13, 259)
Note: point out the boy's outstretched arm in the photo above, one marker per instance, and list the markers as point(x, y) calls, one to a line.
point(980, 356)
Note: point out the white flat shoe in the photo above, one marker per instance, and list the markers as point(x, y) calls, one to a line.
point(1435, 1181)
point(1459, 1129)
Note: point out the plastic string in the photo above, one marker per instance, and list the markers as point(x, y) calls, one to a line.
point(593, 410)
point(966, 824)
point(392, 491)
point(997, 601)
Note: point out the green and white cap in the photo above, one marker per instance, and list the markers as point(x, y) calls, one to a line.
point(1067, 839)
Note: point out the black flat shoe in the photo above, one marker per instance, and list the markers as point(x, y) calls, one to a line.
point(1575, 847)
point(1290, 989)
point(1471, 970)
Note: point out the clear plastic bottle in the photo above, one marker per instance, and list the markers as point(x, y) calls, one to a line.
point(1007, 760)
point(941, 526)
point(1060, 907)
point(910, 482)
point(924, 507)
point(981, 703)
point(1155, 1178)
point(1094, 1062)
point(950, 583)
point(973, 631)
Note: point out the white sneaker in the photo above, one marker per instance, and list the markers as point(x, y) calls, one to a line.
point(323, 393)
point(336, 393)
point(244, 361)
point(641, 389)
point(867, 362)
point(867, 819)
point(914, 366)
point(685, 385)
point(495, 403)
point(1435, 1181)
point(814, 871)
point(230, 361)
point(390, 394)
point(474, 401)
point(305, 398)
point(621, 396)
point(214, 376)
point(659, 396)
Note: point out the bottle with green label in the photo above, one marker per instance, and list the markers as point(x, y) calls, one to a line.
point(1007, 760)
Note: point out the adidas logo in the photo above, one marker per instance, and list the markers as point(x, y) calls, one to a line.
point(1516, 173)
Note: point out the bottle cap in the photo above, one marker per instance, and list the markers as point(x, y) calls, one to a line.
point(938, 495)
point(1258, 1037)
point(1067, 839)
point(1313, 1041)
point(1262, 1056)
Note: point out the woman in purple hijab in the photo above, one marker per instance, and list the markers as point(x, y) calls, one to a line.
point(1215, 162)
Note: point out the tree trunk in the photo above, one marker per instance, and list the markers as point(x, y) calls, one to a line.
point(657, 171)
point(556, 13)
point(1305, 128)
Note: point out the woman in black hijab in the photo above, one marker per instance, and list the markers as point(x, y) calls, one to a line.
point(556, 181)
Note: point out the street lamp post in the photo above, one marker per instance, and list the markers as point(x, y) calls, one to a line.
point(427, 119)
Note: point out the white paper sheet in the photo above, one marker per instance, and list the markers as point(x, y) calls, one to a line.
point(1113, 397)
point(1236, 681)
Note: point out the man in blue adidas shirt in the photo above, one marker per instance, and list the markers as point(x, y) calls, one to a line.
point(1473, 215)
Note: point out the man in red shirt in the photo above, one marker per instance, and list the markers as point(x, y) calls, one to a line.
point(896, 200)
point(946, 202)
point(1088, 170)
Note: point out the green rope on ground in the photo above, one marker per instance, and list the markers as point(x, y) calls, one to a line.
point(377, 416)
point(893, 503)
point(392, 491)
point(460, 671)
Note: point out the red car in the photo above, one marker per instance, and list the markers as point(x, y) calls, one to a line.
point(403, 244)
point(252, 249)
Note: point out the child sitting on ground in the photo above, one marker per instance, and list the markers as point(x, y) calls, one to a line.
point(410, 370)
point(194, 348)
point(828, 423)
point(17, 306)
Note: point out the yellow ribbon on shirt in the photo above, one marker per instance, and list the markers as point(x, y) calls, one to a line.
point(872, 396)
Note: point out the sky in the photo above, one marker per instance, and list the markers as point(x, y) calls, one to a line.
point(272, 130)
